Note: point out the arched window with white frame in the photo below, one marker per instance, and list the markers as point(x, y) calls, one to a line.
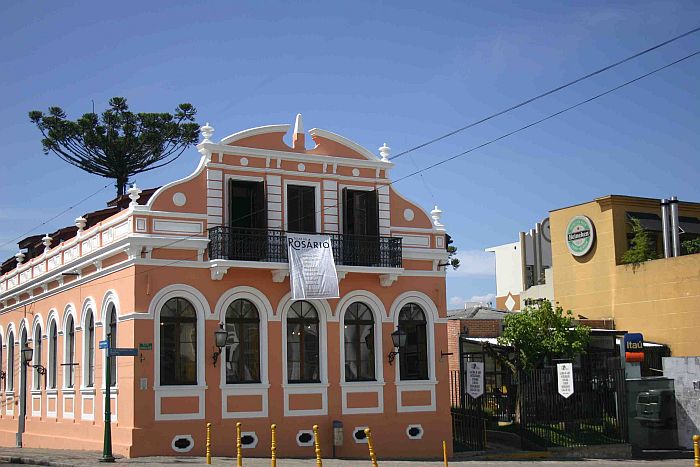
point(69, 345)
point(10, 373)
point(36, 358)
point(178, 343)
point(303, 343)
point(111, 317)
point(53, 355)
point(413, 357)
point(89, 349)
point(243, 344)
point(358, 332)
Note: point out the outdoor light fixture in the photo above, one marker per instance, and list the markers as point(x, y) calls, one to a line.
point(220, 337)
point(27, 354)
point(398, 338)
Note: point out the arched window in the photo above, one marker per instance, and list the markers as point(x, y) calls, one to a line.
point(112, 320)
point(70, 353)
point(36, 358)
point(53, 354)
point(243, 344)
point(178, 343)
point(10, 374)
point(90, 350)
point(1, 388)
point(359, 343)
point(413, 357)
point(303, 344)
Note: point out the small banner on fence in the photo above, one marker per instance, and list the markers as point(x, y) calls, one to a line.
point(475, 379)
point(311, 267)
point(565, 379)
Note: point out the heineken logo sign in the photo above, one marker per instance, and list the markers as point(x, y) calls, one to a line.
point(580, 235)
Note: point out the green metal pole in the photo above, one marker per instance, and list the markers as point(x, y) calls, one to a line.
point(107, 448)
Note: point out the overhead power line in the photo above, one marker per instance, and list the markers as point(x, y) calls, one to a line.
point(444, 161)
point(547, 93)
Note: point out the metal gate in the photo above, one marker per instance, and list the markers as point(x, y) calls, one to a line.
point(468, 420)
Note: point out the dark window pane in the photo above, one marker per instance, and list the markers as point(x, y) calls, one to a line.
point(359, 343)
point(243, 344)
point(303, 343)
point(301, 208)
point(413, 357)
point(178, 343)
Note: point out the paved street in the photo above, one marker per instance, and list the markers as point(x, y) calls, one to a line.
point(11, 456)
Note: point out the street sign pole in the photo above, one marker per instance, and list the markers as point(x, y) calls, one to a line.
point(107, 448)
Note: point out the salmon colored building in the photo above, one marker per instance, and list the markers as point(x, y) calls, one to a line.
point(162, 270)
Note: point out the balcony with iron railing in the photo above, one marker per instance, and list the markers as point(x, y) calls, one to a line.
point(269, 245)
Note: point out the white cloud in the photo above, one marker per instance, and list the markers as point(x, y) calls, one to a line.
point(475, 263)
point(459, 302)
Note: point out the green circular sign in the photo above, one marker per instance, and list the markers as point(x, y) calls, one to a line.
point(580, 235)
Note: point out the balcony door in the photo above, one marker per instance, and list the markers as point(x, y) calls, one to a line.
point(248, 238)
point(360, 227)
point(301, 209)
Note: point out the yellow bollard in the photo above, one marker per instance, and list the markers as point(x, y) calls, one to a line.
point(273, 446)
point(317, 447)
point(239, 455)
point(208, 443)
point(444, 452)
point(372, 456)
point(696, 447)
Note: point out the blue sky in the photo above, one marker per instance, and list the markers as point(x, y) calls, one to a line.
point(398, 72)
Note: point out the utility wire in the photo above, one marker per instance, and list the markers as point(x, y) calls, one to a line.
point(444, 161)
point(551, 91)
point(68, 209)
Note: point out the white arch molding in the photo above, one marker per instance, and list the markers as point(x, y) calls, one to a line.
point(202, 310)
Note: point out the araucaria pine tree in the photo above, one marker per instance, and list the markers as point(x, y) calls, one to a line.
point(119, 143)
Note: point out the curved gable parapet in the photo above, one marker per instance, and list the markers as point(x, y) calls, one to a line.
point(331, 144)
point(262, 137)
point(193, 187)
point(400, 207)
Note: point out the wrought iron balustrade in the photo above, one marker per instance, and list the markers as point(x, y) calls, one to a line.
point(268, 245)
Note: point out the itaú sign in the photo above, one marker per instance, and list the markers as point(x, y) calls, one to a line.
point(580, 235)
point(634, 347)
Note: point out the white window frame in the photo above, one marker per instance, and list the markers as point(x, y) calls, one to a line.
point(317, 200)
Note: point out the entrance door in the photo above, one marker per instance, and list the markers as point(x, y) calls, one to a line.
point(468, 420)
point(360, 228)
point(247, 221)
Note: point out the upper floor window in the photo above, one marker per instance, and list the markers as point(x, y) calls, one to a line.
point(247, 206)
point(413, 357)
point(178, 343)
point(243, 344)
point(301, 209)
point(53, 354)
point(360, 212)
point(90, 350)
point(38, 348)
point(10, 373)
point(359, 343)
point(70, 353)
point(303, 343)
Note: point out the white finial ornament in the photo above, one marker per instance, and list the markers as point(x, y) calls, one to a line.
point(207, 131)
point(436, 214)
point(298, 125)
point(384, 151)
point(134, 195)
point(20, 257)
point(80, 223)
point(46, 240)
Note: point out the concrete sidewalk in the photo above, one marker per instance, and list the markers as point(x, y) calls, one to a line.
point(60, 458)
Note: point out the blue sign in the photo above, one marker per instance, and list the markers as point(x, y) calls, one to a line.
point(634, 342)
point(104, 344)
point(123, 352)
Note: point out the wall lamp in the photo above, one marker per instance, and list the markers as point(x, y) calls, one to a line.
point(27, 354)
point(398, 338)
point(220, 338)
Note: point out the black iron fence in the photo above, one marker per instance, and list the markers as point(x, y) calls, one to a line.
point(596, 413)
point(270, 245)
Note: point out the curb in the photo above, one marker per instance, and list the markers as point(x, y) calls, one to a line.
point(32, 461)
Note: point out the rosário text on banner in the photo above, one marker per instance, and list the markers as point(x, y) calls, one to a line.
point(312, 271)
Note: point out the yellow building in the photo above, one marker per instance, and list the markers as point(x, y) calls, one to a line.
point(659, 298)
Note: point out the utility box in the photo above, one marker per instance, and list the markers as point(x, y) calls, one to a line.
point(656, 407)
point(651, 414)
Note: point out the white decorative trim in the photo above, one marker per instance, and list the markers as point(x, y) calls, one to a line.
point(419, 435)
point(415, 240)
point(317, 199)
point(408, 214)
point(187, 449)
point(178, 227)
point(162, 392)
point(51, 395)
point(179, 199)
point(386, 280)
point(253, 435)
point(415, 386)
point(87, 397)
point(278, 275)
point(260, 130)
point(343, 141)
point(309, 443)
point(361, 429)
point(36, 396)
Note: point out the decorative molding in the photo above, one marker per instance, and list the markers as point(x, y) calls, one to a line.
point(386, 280)
point(278, 275)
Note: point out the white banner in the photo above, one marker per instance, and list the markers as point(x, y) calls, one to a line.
point(311, 267)
point(475, 379)
point(565, 379)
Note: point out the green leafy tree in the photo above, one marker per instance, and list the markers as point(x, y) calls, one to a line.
point(692, 246)
point(535, 334)
point(119, 143)
point(641, 248)
point(452, 259)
